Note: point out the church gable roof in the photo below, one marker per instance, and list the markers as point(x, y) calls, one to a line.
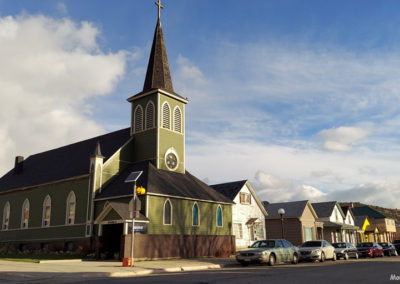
point(229, 189)
point(161, 182)
point(64, 162)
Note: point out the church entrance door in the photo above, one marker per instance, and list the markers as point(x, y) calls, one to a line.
point(111, 241)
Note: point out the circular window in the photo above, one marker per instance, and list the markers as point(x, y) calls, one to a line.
point(171, 159)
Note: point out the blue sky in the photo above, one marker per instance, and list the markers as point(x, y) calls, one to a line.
point(299, 97)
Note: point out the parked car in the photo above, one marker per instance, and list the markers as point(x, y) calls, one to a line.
point(345, 250)
point(369, 249)
point(388, 248)
point(396, 244)
point(317, 250)
point(269, 251)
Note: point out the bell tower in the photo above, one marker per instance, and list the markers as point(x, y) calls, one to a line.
point(158, 113)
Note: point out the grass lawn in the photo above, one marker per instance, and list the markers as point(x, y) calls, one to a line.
point(35, 258)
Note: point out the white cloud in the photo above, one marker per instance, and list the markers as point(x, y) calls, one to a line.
point(341, 138)
point(50, 70)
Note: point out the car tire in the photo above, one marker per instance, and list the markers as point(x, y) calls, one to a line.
point(295, 258)
point(346, 256)
point(322, 258)
point(373, 254)
point(271, 260)
point(382, 254)
point(334, 257)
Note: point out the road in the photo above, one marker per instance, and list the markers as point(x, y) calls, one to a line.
point(362, 271)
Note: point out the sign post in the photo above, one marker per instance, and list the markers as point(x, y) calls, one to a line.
point(133, 177)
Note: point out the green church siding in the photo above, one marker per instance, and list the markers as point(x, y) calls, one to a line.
point(118, 162)
point(58, 193)
point(169, 138)
point(182, 217)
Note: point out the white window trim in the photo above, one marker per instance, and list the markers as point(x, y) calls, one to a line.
point(70, 195)
point(198, 215)
point(134, 119)
point(26, 201)
point(170, 203)
point(153, 118)
point(222, 217)
point(5, 213)
point(173, 115)
point(44, 211)
point(169, 116)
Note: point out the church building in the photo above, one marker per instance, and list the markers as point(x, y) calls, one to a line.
point(75, 198)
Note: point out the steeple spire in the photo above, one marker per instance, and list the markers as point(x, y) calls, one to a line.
point(158, 75)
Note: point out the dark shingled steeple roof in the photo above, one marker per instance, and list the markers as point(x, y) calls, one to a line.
point(158, 75)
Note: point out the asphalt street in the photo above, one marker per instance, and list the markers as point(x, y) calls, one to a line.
point(363, 271)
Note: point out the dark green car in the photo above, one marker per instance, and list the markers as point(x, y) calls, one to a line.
point(270, 252)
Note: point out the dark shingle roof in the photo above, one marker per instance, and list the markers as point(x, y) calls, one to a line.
point(161, 182)
point(229, 189)
point(293, 209)
point(324, 209)
point(367, 211)
point(65, 162)
point(359, 221)
point(158, 75)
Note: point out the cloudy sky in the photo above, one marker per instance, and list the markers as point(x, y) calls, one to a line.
point(302, 98)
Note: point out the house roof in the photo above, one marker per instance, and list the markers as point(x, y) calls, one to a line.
point(367, 211)
point(161, 182)
point(359, 220)
point(293, 209)
point(325, 209)
point(229, 189)
point(64, 162)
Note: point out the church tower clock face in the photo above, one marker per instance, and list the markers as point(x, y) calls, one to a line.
point(171, 159)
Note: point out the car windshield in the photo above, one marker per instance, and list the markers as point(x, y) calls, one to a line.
point(339, 245)
point(311, 244)
point(263, 244)
point(365, 245)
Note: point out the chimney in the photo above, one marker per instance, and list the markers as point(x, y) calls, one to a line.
point(351, 205)
point(19, 165)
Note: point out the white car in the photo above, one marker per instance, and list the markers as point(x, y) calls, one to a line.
point(317, 250)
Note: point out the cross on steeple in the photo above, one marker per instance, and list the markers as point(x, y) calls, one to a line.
point(158, 3)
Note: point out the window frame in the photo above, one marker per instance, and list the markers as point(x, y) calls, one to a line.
point(198, 215)
point(163, 115)
point(177, 108)
point(6, 216)
point(25, 205)
point(138, 107)
point(170, 212)
point(219, 209)
point(44, 219)
point(70, 196)
point(146, 115)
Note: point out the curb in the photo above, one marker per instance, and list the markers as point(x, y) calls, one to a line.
point(60, 261)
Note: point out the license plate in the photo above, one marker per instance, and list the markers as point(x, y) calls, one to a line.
point(246, 259)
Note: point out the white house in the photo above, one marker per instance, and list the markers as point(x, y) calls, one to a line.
point(336, 228)
point(248, 213)
point(349, 235)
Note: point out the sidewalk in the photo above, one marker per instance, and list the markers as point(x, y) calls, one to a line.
point(18, 271)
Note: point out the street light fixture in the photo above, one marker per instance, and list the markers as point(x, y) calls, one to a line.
point(281, 212)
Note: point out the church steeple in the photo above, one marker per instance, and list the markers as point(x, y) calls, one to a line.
point(158, 75)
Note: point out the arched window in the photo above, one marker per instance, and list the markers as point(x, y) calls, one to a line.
point(25, 214)
point(177, 120)
point(149, 115)
point(71, 202)
point(167, 213)
point(219, 216)
point(195, 215)
point(46, 211)
point(138, 119)
point(166, 116)
point(6, 216)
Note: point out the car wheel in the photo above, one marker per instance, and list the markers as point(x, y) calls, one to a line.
point(334, 257)
point(271, 261)
point(322, 259)
point(373, 254)
point(295, 258)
